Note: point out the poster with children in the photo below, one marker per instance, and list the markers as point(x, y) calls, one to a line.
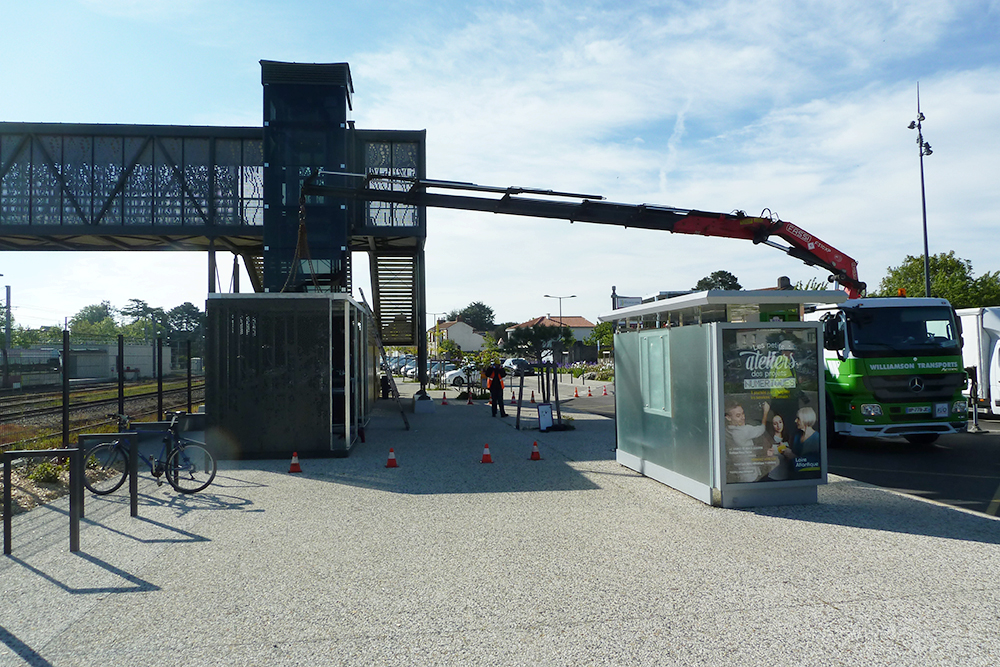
point(771, 405)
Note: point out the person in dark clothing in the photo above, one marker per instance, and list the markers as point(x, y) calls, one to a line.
point(494, 375)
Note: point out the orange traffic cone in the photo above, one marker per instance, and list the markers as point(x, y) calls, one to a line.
point(589, 395)
point(605, 390)
point(486, 454)
point(532, 396)
point(392, 459)
point(576, 393)
point(295, 467)
point(535, 456)
point(512, 401)
point(444, 398)
point(470, 398)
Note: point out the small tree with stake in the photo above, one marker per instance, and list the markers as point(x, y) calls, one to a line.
point(532, 341)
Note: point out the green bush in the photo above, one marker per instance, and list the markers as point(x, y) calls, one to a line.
point(45, 472)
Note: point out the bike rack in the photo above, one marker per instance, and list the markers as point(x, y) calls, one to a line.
point(87, 440)
point(75, 491)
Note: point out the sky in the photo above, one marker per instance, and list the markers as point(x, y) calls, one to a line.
point(797, 108)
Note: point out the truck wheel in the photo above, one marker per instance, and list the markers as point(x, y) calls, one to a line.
point(921, 438)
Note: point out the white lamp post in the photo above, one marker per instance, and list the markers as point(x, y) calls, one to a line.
point(549, 296)
point(925, 149)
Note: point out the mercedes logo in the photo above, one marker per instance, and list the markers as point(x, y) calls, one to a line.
point(916, 384)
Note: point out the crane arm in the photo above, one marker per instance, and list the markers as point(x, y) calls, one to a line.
point(593, 208)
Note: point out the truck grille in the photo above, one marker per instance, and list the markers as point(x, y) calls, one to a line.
point(897, 388)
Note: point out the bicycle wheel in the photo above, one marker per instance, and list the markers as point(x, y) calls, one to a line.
point(190, 468)
point(106, 468)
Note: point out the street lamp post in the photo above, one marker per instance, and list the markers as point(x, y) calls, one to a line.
point(549, 296)
point(925, 149)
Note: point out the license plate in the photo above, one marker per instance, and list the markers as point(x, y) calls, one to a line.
point(919, 410)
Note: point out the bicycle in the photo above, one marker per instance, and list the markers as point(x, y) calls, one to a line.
point(187, 466)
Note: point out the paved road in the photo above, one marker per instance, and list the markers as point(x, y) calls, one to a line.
point(959, 470)
point(597, 404)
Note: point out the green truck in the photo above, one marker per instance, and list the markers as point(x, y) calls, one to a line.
point(893, 368)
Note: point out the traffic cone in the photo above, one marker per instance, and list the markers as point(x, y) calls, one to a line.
point(295, 467)
point(512, 401)
point(589, 395)
point(605, 390)
point(576, 393)
point(486, 454)
point(444, 398)
point(392, 459)
point(470, 398)
point(532, 396)
point(535, 456)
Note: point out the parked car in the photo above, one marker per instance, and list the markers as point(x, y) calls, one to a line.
point(439, 368)
point(396, 363)
point(457, 378)
point(519, 366)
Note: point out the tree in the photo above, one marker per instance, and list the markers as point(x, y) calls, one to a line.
point(25, 337)
point(534, 340)
point(951, 279)
point(94, 314)
point(499, 332)
point(186, 318)
point(602, 335)
point(477, 315)
point(718, 280)
point(136, 310)
point(140, 312)
point(450, 349)
point(186, 323)
point(105, 329)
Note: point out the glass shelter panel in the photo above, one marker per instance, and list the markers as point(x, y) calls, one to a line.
point(669, 424)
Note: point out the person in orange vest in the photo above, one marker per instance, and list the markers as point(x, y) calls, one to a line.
point(494, 375)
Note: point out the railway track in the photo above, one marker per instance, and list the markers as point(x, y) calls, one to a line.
point(22, 400)
point(41, 424)
point(9, 414)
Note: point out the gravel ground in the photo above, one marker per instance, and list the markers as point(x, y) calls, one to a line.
point(571, 560)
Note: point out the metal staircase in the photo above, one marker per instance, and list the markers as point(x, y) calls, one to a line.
point(394, 286)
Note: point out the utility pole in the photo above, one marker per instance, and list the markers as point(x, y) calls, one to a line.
point(7, 340)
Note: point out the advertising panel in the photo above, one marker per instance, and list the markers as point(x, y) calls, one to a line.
point(772, 405)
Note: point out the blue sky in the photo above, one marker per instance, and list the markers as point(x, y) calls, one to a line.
point(796, 107)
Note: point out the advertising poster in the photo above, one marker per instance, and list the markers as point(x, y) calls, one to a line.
point(772, 405)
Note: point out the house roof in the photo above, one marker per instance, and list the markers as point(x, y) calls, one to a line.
point(571, 321)
point(443, 325)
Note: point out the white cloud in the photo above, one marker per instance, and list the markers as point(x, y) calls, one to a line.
point(797, 107)
point(735, 109)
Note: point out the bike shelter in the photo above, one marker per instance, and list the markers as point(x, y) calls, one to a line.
point(694, 375)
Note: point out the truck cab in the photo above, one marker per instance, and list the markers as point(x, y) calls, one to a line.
point(893, 368)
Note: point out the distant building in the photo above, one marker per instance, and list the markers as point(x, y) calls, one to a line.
point(458, 332)
point(580, 326)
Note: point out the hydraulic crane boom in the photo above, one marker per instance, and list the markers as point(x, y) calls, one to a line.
point(592, 208)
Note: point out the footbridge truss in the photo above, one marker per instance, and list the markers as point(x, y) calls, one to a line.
point(132, 187)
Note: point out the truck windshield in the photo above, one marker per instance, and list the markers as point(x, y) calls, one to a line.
point(902, 331)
